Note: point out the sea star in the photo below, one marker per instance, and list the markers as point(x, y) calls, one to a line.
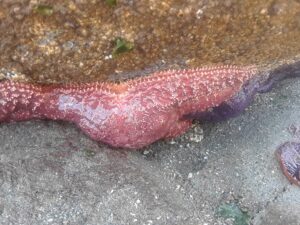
point(132, 114)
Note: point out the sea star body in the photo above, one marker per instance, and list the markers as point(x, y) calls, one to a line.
point(132, 114)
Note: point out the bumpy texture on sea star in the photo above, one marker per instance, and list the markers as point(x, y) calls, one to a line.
point(132, 114)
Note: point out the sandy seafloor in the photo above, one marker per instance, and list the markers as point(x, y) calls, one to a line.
point(51, 173)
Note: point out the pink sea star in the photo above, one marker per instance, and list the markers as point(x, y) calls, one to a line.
point(132, 114)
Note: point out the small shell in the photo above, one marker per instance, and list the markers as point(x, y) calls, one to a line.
point(288, 155)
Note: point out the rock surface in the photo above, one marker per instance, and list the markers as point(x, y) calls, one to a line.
point(51, 173)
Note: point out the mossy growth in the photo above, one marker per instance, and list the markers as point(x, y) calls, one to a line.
point(44, 10)
point(122, 46)
point(233, 211)
point(111, 2)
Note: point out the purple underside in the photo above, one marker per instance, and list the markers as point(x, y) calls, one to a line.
point(236, 105)
point(288, 154)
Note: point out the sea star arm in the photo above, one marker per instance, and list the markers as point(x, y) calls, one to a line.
point(132, 114)
point(20, 101)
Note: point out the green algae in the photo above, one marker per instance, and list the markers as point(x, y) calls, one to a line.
point(44, 10)
point(111, 2)
point(121, 46)
point(233, 211)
